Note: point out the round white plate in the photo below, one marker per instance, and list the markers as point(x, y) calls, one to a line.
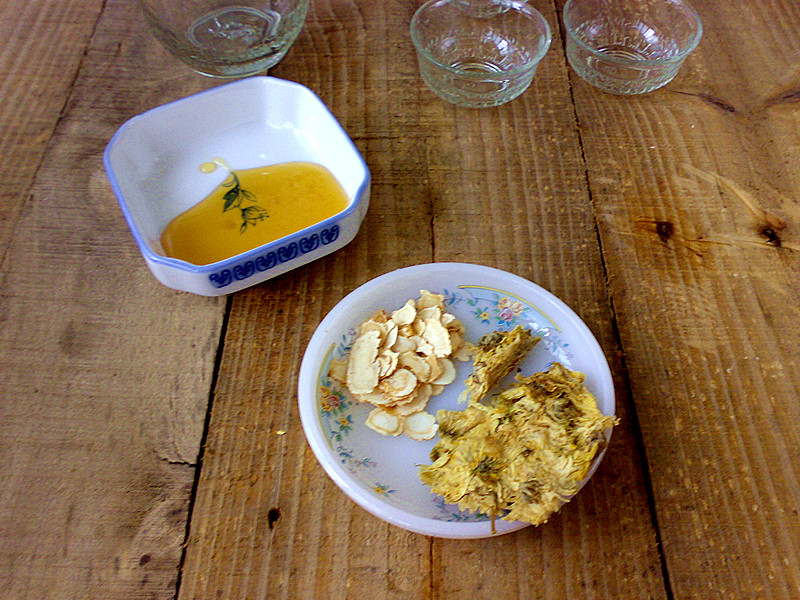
point(380, 473)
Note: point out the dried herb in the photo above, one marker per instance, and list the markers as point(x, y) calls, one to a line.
point(521, 468)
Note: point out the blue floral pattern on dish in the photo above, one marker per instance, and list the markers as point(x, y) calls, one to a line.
point(266, 261)
point(334, 408)
point(347, 458)
point(450, 512)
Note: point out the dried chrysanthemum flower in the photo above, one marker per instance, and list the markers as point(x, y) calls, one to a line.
point(496, 354)
point(522, 455)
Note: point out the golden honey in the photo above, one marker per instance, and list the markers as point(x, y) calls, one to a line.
point(252, 207)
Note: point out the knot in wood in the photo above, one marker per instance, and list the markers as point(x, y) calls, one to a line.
point(664, 229)
point(772, 236)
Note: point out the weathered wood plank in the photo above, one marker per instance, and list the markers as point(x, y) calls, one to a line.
point(323, 545)
point(695, 188)
point(523, 205)
point(433, 197)
point(106, 373)
point(43, 44)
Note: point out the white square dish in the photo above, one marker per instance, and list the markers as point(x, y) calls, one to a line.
point(153, 163)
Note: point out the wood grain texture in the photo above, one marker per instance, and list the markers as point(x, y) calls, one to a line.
point(43, 45)
point(106, 373)
point(323, 545)
point(446, 183)
point(695, 188)
point(669, 222)
point(531, 173)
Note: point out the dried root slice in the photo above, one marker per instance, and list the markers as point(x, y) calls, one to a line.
point(428, 299)
point(399, 384)
point(384, 422)
point(405, 315)
point(436, 389)
point(420, 426)
point(338, 370)
point(373, 325)
point(438, 337)
point(497, 353)
point(436, 368)
point(401, 358)
point(416, 364)
point(403, 344)
point(387, 362)
point(376, 398)
point(362, 366)
point(448, 372)
point(522, 455)
point(416, 403)
point(464, 353)
point(392, 331)
point(423, 346)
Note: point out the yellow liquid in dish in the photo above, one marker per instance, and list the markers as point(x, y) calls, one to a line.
point(253, 207)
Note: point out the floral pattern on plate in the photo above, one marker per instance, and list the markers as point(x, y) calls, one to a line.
point(381, 474)
point(481, 310)
point(503, 311)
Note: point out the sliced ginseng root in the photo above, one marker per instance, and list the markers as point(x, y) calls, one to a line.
point(399, 360)
point(420, 426)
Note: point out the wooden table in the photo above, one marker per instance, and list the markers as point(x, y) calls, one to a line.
point(141, 453)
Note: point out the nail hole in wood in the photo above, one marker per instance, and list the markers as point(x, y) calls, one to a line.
point(771, 235)
point(664, 230)
point(272, 516)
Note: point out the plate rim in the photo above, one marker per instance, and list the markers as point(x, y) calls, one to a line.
point(312, 422)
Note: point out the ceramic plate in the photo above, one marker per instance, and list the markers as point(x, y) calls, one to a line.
point(380, 473)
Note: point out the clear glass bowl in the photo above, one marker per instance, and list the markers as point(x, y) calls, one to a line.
point(479, 53)
point(226, 38)
point(629, 46)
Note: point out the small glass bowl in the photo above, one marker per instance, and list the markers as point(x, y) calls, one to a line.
point(226, 38)
point(479, 53)
point(630, 46)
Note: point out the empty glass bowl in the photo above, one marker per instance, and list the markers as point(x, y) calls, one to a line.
point(479, 53)
point(226, 38)
point(629, 46)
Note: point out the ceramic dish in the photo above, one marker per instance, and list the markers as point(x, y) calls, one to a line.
point(154, 160)
point(380, 473)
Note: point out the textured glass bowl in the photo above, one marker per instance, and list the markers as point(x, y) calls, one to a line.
point(479, 53)
point(226, 38)
point(630, 46)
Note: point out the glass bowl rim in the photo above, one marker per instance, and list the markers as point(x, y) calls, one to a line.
point(521, 7)
point(685, 7)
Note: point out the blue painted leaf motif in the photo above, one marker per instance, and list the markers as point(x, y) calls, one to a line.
point(329, 235)
point(266, 262)
point(250, 215)
point(222, 278)
point(244, 271)
point(287, 253)
point(310, 243)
